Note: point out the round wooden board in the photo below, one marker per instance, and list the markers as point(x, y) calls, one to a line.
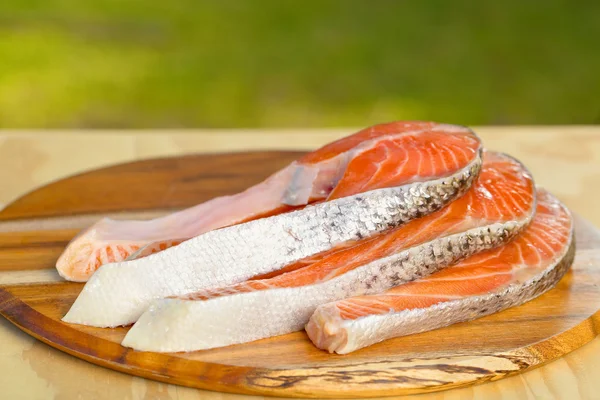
point(35, 229)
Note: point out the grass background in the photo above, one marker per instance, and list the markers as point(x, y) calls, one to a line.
point(268, 63)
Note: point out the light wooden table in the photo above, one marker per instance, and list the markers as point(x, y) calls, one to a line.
point(565, 160)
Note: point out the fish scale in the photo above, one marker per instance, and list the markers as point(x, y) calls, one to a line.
point(117, 294)
point(284, 303)
point(346, 167)
point(354, 323)
point(160, 329)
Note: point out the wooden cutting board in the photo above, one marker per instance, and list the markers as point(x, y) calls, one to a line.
point(35, 229)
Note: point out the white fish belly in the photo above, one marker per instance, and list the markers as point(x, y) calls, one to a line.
point(117, 294)
point(185, 325)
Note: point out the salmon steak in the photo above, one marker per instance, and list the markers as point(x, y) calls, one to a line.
point(368, 183)
point(483, 284)
point(400, 155)
point(499, 205)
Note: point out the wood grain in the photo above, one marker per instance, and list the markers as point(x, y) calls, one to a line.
point(487, 349)
point(163, 184)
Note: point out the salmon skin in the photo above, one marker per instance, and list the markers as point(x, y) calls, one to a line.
point(382, 156)
point(499, 205)
point(483, 284)
point(118, 293)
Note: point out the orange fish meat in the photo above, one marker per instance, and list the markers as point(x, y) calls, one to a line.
point(386, 155)
point(483, 284)
point(499, 205)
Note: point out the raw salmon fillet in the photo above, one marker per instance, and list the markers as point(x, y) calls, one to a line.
point(498, 206)
point(382, 156)
point(413, 170)
point(483, 284)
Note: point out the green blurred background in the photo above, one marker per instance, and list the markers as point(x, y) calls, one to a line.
point(229, 64)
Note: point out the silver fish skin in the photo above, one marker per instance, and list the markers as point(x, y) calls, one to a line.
point(117, 294)
point(171, 325)
point(373, 329)
point(448, 313)
point(347, 336)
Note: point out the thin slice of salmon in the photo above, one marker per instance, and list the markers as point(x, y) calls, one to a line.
point(382, 156)
point(499, 205)
point(483, 284)
point(118, 293)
